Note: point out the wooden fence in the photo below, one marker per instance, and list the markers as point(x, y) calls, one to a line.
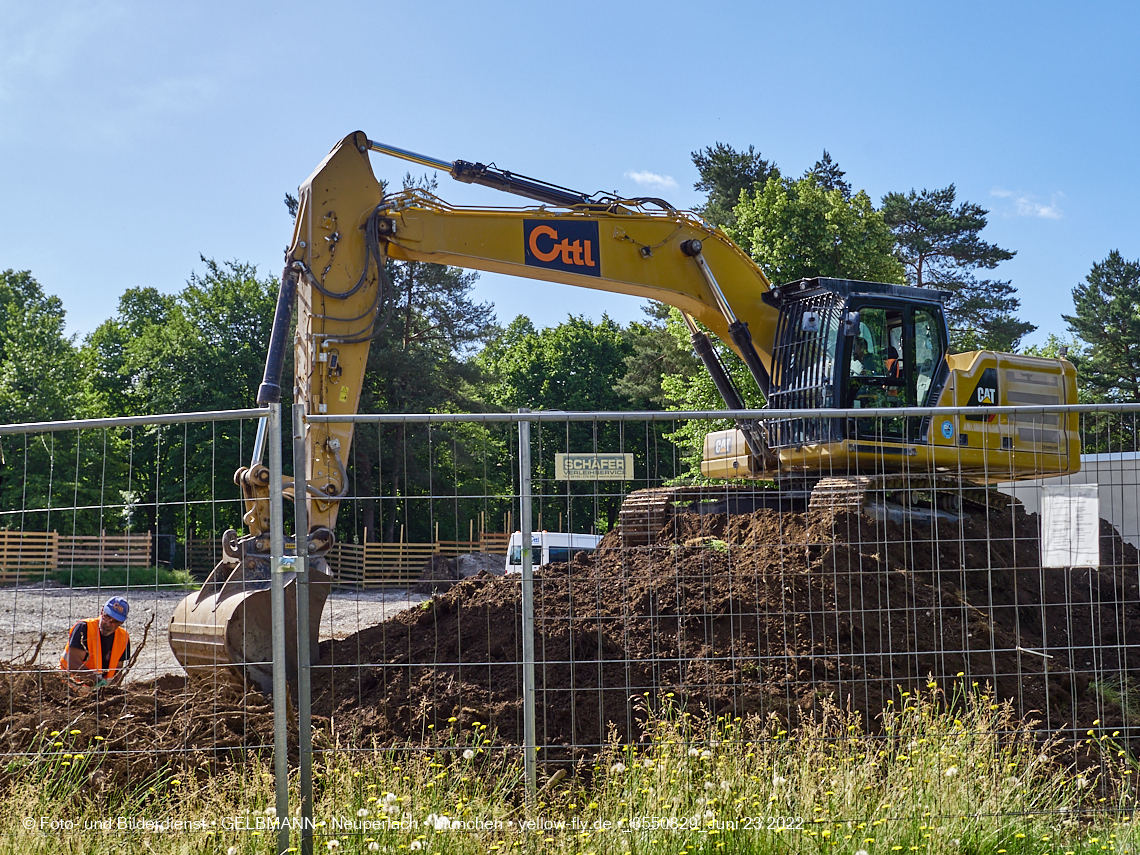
point(28, 553)
point(367, 564)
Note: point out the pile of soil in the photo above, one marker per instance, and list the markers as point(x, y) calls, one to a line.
point(762, 613)
point(128, 734)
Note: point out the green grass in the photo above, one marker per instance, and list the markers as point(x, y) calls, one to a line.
point(942, 775)
point(125, 577)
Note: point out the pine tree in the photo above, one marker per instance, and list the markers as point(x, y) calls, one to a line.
point(940, 246)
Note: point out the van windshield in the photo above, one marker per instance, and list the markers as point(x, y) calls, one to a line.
point(565, 553)
point(516, 555)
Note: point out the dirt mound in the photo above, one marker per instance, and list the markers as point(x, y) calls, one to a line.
point(758, 613)
point(128, 734)
point(762, 613)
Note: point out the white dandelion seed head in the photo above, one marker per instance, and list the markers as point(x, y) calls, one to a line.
point(392, 810)
point(861, 852)
point(271, 811)
point(951, 771)
point(725, 785)
point(676, 801)
point(709, 814)
point(706, 755)
point(469, 754)
point(647, 763)
point(233, 850)
point(709, 785)
point(362, 812)
point(694, 752)
point(702, 801)
point(617, 768)
point(416, 844)
point(777, 781)
point(1082, 783)
point(332, 844)
point(373, 846)
point(390, 798)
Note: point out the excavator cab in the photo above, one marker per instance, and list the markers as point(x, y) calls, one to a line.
point(849, 344)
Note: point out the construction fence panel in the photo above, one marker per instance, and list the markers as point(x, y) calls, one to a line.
point(809, 605)
point(842, 587)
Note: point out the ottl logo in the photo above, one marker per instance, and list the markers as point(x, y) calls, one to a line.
point(568, 245)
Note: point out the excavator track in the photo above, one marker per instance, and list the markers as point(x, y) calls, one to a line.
point(942, 491)
point(645, 512)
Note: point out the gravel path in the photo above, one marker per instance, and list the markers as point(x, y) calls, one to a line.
point(28, 612)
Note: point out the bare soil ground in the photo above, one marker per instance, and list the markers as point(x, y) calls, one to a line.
point(763, 613)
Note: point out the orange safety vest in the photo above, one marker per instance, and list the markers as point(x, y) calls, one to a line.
point(94, 659)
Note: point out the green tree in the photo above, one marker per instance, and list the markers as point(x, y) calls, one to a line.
point(725, 174)
point(38, 361)
point(940, 245)
point(577, 365)
point(800, 229)
point(422, 362)
point(38, 370)
point(1106, 319)
point(829, 176)
point(200, 349)
point(694, 390)
point(655, 352)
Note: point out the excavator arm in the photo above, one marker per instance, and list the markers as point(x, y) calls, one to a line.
point(347, 228)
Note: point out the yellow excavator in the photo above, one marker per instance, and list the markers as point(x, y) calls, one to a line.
point(812, 345)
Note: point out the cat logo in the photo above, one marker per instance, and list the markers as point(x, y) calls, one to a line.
point(567, 245)
point(722, 445)
point(985, 395)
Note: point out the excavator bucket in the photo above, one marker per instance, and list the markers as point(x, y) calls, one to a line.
point(227, 628)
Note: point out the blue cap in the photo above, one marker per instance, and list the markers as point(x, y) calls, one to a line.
point(116, 608)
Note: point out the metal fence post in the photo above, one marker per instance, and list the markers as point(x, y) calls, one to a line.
point(304, 684)
point(529, 737)
point(278, 567)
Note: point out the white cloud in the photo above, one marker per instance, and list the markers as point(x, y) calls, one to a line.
point(1026, 204)
point(652, 179)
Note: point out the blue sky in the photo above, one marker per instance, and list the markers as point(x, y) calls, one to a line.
point(136, 136)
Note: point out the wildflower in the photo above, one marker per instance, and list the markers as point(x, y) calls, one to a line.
point(416, 844)
point(390, 798)
point(271, 811)
point(332, 844)
point(777, 781)
point(694, 752)
point(706, 755)
point(709, 785)
point(437, 821)
point(951, 772)
point(647, 763)
point(708, 814)
point(75, 732)
point(233, 850)
point(55, 733)
point(468, 754)
point(617, 768)
point(363, 812)
point(373, 846)
point(861, 852)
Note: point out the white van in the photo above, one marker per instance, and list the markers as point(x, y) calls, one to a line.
point(548, 546)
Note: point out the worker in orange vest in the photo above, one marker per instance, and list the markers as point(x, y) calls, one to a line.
point(98, 648)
